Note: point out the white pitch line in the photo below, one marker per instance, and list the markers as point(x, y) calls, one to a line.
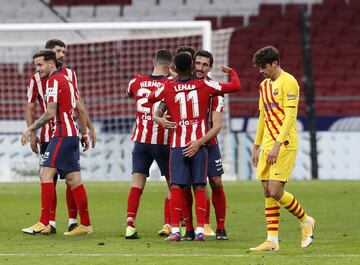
point(170, 255)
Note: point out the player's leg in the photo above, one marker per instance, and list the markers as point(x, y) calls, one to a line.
point(78, 190)
point(47, 197)
point(279, 175)
point(141, 162)
point(179, 175)
point(215, 171)
point(137, 187)
point(219, 202)
point(72, 210)
point(272, 208)
point(161, 154)
point(199, 174)
point(187, 214)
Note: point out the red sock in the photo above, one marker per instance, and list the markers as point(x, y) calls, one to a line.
point(207, 216)
point(167, 219)
point(187, 209)
point(219, 202)
point(52, 215)
point(71, 205)
point(200, 207)
point(47, 197)
point(81, 200)
point(133, 205)
point(176, 203)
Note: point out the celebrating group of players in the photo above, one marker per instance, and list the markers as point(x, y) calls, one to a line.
point(178, 115)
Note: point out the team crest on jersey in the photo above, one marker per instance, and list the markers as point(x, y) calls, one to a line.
point(276, 92)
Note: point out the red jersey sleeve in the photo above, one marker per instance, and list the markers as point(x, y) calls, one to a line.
point(225, 87)
point(131, 90)
point(52, 90)
point(217, 103)
point(157, 95)
point(31, 90)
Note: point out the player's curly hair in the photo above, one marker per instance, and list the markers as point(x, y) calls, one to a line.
point(266, 55)
point(48, 55)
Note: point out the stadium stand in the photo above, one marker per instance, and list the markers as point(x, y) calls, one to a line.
point(335, 39)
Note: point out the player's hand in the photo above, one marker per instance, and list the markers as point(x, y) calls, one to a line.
point(25, 136)
point(34, 141)
point(85, 142)
point(191, 148)
point(255, 156)
point(272, 156)
point(225, 69)
point(164, 122)
point(92, 136)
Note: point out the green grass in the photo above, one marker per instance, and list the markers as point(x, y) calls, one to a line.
point(334, 204)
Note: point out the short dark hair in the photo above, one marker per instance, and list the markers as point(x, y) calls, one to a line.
point(205, 54)
point(266, 55)
point(188, 49)
point(48, 55)
point(50, 44)
point(183, 62)
point(163, 55)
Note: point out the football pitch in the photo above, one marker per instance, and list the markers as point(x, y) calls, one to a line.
point(334, 204)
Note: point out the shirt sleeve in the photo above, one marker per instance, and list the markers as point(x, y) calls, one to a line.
point(157, 95)
point(224, 87)
point(52, 90)
point(291, 102)
point(131, 87)
point(31, 90)
point(217, 103)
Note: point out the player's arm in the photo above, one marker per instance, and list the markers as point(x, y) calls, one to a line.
point(83, 127)
point(258, 138)
point(160, 118)
point(130, 88)
point(31, 91)
point(157, 95)
point(44, 119)
point(30, 118)
point(225, 87)
point(193, 146)
point(291, 101)
point(89, 124)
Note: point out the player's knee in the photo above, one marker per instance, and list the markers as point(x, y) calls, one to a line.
point(275, 194)
point(215, 182)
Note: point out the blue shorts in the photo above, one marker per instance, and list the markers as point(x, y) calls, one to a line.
point(63, 154)
point(143, 155)
point(188, 170)
point(215, 167)
point(43, 147)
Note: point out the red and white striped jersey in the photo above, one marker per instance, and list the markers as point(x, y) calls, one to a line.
point(216, 105)
point(59, 89)
point(36, 89)
point(188, 104)
point(146, 129)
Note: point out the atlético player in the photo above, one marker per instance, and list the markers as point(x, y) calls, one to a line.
point(62, 154)
point(36, 90)
point(188, 101)
point(151, 141)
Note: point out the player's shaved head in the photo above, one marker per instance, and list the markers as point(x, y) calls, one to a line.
point(163, 56)
point(48, 55)
point(183, 62)
point(50, 44)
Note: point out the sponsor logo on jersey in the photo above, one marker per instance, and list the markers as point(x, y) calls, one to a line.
point(291, 96)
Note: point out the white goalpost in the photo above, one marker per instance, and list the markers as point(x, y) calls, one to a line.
point(105, 56)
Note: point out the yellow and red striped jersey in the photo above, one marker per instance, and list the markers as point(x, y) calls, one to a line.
point(275, 96)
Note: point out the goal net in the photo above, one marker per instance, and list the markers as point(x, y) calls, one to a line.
point(104, 56)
